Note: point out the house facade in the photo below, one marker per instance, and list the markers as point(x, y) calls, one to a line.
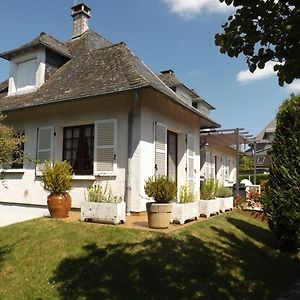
point(98, 106)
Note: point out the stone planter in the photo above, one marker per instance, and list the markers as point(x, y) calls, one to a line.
point(158, 214)
point(184, 211)
point(226, 203)
point(208, 207)
point(104, 212)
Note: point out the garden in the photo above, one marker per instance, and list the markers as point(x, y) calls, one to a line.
point(221, 258)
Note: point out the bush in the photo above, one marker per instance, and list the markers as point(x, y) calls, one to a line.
point(161, 188)
point(185, 195)
point(282, 199)
point(208, 189)
point(223, 191)
point(96, 193)
point(57, 177)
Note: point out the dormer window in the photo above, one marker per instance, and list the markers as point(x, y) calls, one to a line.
point(26, 75)
point(27, 72)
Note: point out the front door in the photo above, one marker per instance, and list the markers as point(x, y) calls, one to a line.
point(172, 155)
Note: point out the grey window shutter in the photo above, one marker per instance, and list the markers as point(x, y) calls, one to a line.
point(45, 147)
point(190, 161)
point(160, 149)
point(105, 154)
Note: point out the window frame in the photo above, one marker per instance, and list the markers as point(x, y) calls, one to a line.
point(80, 159)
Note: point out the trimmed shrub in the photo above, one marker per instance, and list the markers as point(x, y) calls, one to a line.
point(282, 199)
point(57, 177)
point(161, 188)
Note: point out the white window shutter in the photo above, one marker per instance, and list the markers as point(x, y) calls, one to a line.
point(207, 165)
point(160, 145)
point(190, 154)
point(212, 166)
point(105, 153)
point(45, 147)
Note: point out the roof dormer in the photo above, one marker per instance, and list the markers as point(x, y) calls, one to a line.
point(33, 63)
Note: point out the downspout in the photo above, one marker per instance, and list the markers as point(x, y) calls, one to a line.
point(128, 174)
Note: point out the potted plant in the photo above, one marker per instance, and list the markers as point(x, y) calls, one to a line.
point(224, 194)
point(208, 204)
point(57, 179)
point(162, 190)
point(186, 208)
point(103, 206)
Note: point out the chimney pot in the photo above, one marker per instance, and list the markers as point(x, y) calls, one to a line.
point(80, 13)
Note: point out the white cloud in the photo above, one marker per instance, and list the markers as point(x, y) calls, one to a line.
point(267, 71)
point(190, 8)
point(294, 87)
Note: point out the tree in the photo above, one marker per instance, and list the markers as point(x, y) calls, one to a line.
point(282, 201)
point(245, 163)
point(10, 144)
point(264, 30)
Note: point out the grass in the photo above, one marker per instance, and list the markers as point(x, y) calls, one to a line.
point(228, 257)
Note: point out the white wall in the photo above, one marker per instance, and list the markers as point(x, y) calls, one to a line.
point(177, 120)
point(226, 165)
point(23, 186)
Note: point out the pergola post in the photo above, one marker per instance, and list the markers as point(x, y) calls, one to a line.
point(237, 182)
point(254, 163)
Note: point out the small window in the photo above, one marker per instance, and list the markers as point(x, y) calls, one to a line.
point(17, 156)
point(26, 74)
point(78, 148)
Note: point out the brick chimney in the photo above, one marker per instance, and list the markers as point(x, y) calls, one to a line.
point(80, 13)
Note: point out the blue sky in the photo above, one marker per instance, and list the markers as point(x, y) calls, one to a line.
point(165, 34)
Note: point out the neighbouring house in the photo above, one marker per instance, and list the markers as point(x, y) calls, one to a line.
point(98, 106)
point(263, 147)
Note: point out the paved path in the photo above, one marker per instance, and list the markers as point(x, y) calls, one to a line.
point(10, 214)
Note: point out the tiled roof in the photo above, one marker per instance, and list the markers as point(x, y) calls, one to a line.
point(170, 79)
point(43, 39)
point(269, 128)
point(96, 68)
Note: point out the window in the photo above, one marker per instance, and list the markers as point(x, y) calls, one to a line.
point(78, 148)
point(17, 156)
point(26, 75)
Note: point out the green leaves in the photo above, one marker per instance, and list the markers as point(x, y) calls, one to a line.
point(57, 177)
point(161, 188)
point(282, 203)
point(264, 31)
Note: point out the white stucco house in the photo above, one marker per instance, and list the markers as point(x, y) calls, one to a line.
point(98, 106)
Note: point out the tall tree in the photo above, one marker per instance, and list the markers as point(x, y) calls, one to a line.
point(264, 30)
point(282, 203)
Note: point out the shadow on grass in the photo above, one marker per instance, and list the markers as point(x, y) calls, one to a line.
point(255, 232)
point(174, 268)
point(3, 252)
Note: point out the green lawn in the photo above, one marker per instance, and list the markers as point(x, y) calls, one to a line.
point(227, 257)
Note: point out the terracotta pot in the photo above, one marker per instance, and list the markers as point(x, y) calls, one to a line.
point(159, 214)
point(59, 205)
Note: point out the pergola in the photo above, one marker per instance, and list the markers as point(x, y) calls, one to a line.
point(233, 138)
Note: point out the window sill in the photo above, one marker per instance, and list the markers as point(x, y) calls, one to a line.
point(91, 177)
point(83, 177)
point(13, 171)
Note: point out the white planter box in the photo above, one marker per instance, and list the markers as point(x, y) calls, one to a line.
point(104, 212)
point(226, 204)
point(208, 207)
point(184, 211)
